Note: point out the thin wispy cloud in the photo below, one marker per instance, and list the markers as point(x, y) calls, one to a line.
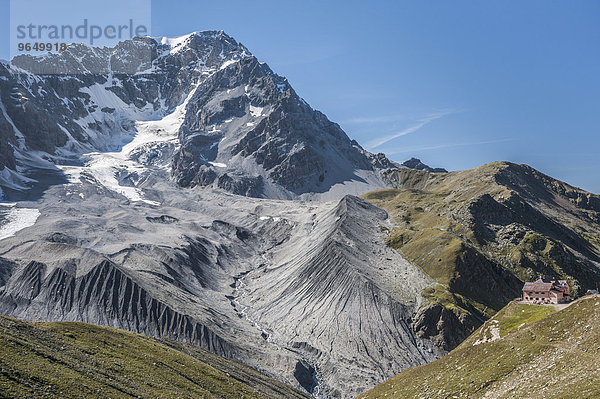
point(449, 145)
point(376, 119)
point(420, 123)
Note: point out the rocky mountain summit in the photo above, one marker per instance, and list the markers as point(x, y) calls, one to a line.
point(232, 123)
point(415, 163)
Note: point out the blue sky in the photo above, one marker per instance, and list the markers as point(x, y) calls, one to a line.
point(455, 83)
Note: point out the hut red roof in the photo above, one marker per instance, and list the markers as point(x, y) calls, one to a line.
point(538, 285)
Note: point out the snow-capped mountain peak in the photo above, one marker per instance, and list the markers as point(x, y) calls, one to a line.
point(216, 115)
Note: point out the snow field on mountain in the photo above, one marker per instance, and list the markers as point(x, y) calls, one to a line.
point(16, 219)
point(106, 166)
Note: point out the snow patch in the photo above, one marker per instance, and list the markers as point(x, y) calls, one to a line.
point(16, 219)
point(256, 111)
point(218, 164)
point(14, 180)
point(104, 98)
point(215, 144)
point(176, 43)
point(106, 166)
point(227, 63)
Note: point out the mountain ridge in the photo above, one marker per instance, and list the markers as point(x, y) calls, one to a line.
point(242, 128)
point(481, 233)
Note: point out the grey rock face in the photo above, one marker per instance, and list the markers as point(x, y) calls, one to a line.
point(241, 185)
point(243, 128)
point(7, 140)
point(341, 298)
point(104, 296)
point(306, 291)
point(415, 163)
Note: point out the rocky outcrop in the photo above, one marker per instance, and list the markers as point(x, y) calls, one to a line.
point(105, 296)
point(415, 163)
point(445, 327)
point(7, 140)
point(294, 146)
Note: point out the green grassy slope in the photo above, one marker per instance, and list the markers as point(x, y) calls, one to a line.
point(249, 376)
point(481, 233)
point(78, 360)
point(524, 351)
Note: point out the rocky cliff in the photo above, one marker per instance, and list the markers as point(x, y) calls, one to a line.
point(239, 126)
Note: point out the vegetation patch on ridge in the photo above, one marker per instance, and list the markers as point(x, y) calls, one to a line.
point(481, 233)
